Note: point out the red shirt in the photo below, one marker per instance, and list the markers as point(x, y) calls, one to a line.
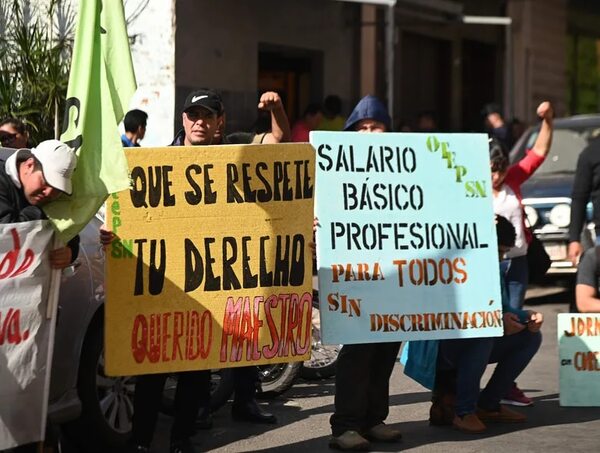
point(300, 131)
point(520, 172)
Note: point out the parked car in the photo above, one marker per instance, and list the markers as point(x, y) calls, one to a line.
point(547, 194)
point(103, 422)
point(94, 409)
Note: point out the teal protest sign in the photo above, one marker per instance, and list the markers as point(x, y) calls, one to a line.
point(579, 354)
point(406, 240)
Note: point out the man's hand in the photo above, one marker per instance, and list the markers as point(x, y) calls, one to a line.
point(280, 126)
point(270, 100)
point(60, 258)
point(535, 321)
point(545, 111)
point(543, 142)
point(575, 251)
point(106, 236)
point(512, 324)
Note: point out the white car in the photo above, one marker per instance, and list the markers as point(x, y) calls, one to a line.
point(94, 410)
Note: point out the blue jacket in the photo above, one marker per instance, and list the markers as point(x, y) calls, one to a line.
point(370, 108)
point(127, 143)
point(420, 357)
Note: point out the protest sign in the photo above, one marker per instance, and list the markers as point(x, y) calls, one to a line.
point(406, 243)
point(26, 337)
point(212, 266)
point(579, 355)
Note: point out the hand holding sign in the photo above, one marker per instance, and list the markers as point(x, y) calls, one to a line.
point(106, 236)
point(61, 257)
point(535, 321)
point(512, 325)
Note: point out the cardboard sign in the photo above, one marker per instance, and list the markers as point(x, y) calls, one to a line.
point(406, 243)
point(212, 266)
point(26, 337)
point(579, 355)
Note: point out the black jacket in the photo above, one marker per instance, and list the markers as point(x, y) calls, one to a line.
point(15, 208)
point(585, 186)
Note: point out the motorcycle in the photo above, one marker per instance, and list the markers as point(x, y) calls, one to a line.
point(323, 358)
point(276, 378)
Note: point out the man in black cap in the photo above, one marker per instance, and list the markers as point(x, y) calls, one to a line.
point(203, 124)
point(203, 118)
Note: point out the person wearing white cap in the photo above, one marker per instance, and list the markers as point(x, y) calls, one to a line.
point(29, 179)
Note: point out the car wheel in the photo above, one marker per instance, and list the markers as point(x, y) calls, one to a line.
point(107, 402)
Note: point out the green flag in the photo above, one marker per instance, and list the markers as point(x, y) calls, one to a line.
point(101, 83)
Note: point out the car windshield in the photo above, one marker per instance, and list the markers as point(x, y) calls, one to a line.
point(566, 146)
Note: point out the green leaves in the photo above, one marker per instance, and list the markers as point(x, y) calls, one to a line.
point(35, 55)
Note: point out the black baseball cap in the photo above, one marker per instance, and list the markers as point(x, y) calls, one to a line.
point(208, 99)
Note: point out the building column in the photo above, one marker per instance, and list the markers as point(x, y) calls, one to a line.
point(540, 55)
point(456, 91)
point(368, 50)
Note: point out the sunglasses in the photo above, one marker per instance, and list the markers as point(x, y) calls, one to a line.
point(7, 136)
point(200, 114)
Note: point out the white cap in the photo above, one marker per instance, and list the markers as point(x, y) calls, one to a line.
point(58, 162)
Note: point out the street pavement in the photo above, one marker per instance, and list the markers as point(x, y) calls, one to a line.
point(304, 412)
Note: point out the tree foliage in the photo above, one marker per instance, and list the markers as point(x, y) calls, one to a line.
point(35, 54)
point(583, 72)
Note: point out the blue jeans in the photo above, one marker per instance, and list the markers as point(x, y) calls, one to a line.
point(470, 356)
point(516, 274)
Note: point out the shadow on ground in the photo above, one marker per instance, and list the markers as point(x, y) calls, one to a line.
point(546, 412)
point(294, 409)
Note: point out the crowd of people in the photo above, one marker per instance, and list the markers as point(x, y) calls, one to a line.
point(452, 369)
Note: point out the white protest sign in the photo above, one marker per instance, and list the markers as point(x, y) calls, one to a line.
point(406, 240)
point(26, 336)
point(579, 355)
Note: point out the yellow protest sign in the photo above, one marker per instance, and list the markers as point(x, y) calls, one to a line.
point(211, 267)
